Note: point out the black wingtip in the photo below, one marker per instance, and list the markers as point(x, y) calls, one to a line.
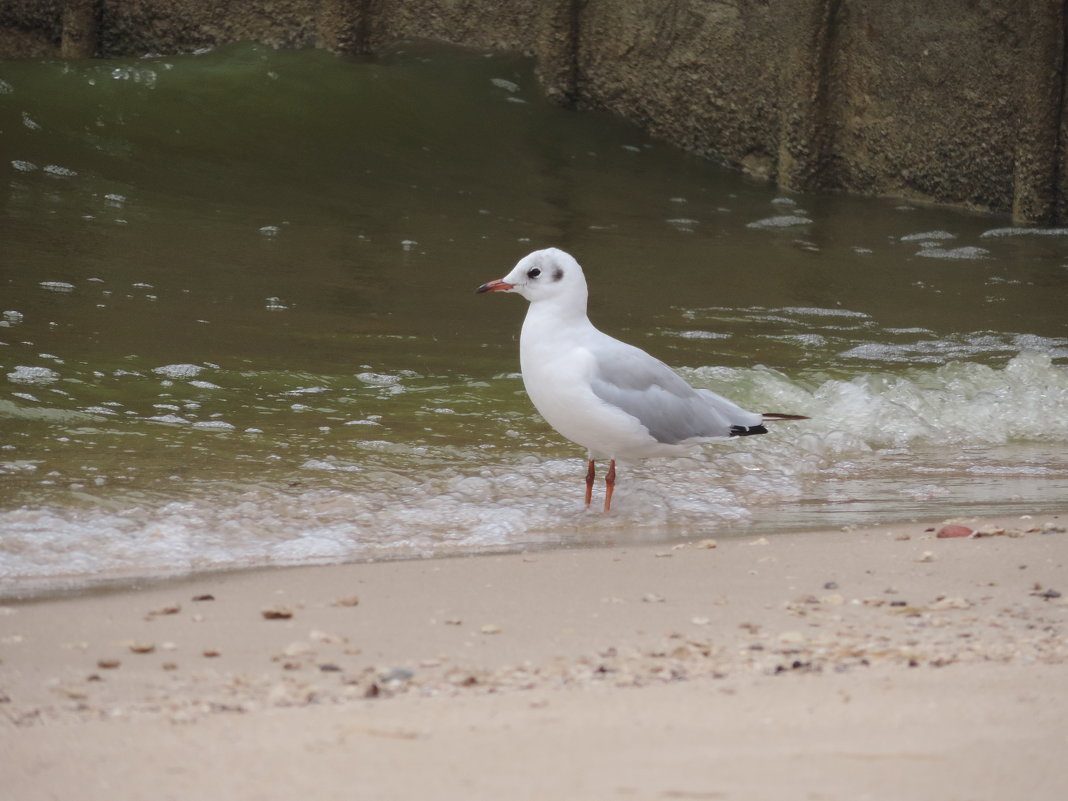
point(747, 431)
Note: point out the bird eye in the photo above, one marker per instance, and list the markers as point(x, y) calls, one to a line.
point(533, 272)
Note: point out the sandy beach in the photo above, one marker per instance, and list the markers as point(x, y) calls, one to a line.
point(884, 663)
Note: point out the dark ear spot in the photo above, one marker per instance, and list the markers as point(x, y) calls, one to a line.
point(558, 274)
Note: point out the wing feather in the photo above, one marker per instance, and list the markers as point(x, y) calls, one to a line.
point(650, 391)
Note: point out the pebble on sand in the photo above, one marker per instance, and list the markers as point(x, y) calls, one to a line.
point(952, 530)
point(169, 609)
point(277, 613)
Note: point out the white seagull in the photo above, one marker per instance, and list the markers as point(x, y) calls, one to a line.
point(613, 399)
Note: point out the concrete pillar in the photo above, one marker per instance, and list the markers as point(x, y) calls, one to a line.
point(558, 50)
point(1038, 163)
point(78, 38)
point(805, 131)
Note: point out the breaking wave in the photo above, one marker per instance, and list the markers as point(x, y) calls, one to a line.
point(519, 488)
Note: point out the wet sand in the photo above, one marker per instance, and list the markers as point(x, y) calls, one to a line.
point(878, 663)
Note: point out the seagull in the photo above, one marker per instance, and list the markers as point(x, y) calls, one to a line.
point(613, 399)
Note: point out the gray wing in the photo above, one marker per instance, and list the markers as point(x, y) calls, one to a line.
point(672, 410)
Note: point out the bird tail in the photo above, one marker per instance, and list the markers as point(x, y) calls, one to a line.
point(745, 431)
point(769, 417)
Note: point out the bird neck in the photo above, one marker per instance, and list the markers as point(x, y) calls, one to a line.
point(563, 310)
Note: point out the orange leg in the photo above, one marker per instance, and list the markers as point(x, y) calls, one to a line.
point(609, 485)
point(589, 483)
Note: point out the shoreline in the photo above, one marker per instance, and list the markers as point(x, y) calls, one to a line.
point(37, 589)
point(960, 643)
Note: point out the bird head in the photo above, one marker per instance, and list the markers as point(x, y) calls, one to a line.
point(543, 275)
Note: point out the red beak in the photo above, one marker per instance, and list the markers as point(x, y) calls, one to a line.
point(499, 285)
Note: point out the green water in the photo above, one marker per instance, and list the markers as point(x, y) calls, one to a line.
point(239, 323)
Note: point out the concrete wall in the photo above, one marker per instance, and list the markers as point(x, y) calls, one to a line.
point(959, 101)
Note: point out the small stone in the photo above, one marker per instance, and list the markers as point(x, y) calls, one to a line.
point(347, 600)
point(211, 653)
point(205, 597)
point(170, 666)
point(653, 598)
point(108, 664)
point(952, 530)
point(169, 609)
point(926, 556)
point(453, 621)
point(700, 621)
point(490, 628)
point(297, 648)
point(1048, 594)
point(398, 674)
point(73, 692)
point(277, 613)
point(142, 647)
point(461, 678)
point(706, 544)
point(949, 603)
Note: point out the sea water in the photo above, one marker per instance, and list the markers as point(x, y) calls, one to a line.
point(238, 324)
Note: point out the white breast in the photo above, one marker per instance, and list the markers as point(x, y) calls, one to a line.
point(557, 366)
